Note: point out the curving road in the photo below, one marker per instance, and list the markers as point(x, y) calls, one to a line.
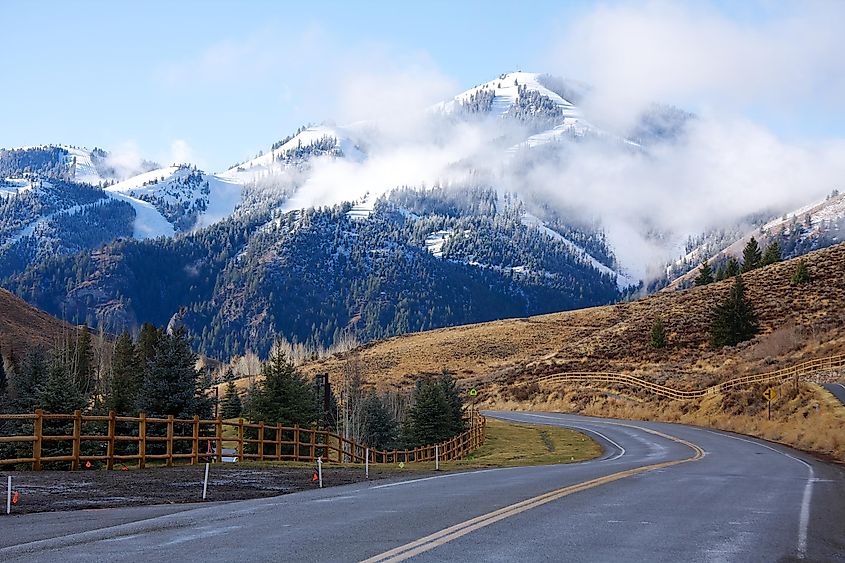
point(660, 492)
point(837, 389)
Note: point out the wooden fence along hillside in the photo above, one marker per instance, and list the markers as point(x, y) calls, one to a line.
point(796, 372)
point(78, 439)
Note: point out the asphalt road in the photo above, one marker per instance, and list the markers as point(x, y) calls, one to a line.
point(838, 389)
point(682, 494)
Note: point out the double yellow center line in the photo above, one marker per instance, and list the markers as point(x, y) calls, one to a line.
point(458, 530)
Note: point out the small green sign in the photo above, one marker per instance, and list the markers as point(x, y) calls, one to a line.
point(473, 392)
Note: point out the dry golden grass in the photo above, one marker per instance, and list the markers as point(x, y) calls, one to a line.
point(23, 326)
point(797, 322)
point(809, 418)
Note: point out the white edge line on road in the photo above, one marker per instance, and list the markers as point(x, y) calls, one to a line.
point(806, 499)
point(568, 425)
point(412, 481)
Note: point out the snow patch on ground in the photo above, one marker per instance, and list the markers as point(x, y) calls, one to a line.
point(435, 241)
point(622, 280)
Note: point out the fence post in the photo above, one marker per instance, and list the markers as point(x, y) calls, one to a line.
point(313, 444)
point(36, 444)
point(218, 427)
point(240, 440)
point(110, 443)
point(261, 441)
point(170, 440)
point(296, 442)
point(142, 440)
point(196, 445)
point(77, 441)
point(278, 441)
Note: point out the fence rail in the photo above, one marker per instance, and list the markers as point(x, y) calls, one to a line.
point(142, 439)
point(795, 372)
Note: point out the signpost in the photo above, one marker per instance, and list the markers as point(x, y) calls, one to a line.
point(770, 395)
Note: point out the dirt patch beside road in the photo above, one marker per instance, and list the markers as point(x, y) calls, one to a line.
point(45, 491)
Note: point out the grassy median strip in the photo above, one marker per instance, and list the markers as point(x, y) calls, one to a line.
point(509, 444)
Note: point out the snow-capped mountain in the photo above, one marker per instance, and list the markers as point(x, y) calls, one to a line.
point(71, 163)
point(297, 150)
point(810, 227)
point(369, 228)
point(185, 197)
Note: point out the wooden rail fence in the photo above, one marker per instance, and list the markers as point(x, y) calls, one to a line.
point(78, 439)
point(796, 372)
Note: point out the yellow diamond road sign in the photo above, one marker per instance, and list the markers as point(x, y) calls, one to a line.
point(770, 394)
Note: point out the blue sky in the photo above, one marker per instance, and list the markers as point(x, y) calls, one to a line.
point(214, 82)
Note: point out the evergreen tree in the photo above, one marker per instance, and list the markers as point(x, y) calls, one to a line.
point(705, 274)
point(801, 275)
point(752, 256)
point(380, 428)
point(733, 320)
point(455, 401)
point(170, 384)
point(59, 394)
point(25, 380)
point(731, 269)
point(125, 378)
point(232, 406)
point(658, 334)
point(773, 254)
point(430, 419)
point(148, 341)
point(283, 396)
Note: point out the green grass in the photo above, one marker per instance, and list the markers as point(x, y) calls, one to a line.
point(507, 445)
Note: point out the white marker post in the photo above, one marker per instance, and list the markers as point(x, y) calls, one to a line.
point(320, 470)
point(367, 463)
point(437, 458)
point(205, 482)
point(9, 496)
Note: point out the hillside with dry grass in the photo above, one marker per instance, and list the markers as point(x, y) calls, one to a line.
point(23, 326)
point(797, 323)
point(504, 359)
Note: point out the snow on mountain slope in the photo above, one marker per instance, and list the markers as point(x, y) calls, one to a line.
point(313, 141)
point(12, 186)
point(182, 196)
point(506, 92)
point(807, 222)
point(623, 281)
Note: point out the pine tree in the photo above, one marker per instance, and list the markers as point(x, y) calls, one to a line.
point(170, 381)
point(705, 274)
point(731, 269)
point(59, 394)
point(733, 320)
point(658, 334)
point(232, 406)
point(381, 428)
point(801, 275)
point(148, 341)
point(24, 383)
point(283, 396)
point(773, 254)
point(125, 378)
point(751, 256)
point(430, 418)
point(456, 402)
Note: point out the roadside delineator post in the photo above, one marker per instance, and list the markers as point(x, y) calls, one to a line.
point(320, 470)
point(437, 457)
point(367, 463)
point(9, 495)
point(205, 482)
